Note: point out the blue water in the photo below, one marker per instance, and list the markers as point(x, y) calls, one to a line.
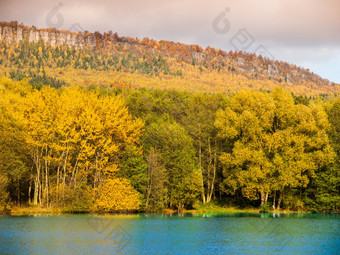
point(161, 234)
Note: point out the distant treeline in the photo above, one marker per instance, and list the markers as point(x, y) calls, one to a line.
point(97, 149)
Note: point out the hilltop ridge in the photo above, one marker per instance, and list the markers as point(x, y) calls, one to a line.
point(148, 63)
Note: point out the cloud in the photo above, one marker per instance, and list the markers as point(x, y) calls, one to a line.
point(282, 21)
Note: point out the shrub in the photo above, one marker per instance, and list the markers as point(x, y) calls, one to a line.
point(265, 208)
point(117, 195)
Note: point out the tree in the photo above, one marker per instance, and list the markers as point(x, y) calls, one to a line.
point(77, 136)
point(134, 168)
point(275, 144)
point(178, 156)
point(14, 160)
point(324, 192)
point(156, 197)
point(198, 117)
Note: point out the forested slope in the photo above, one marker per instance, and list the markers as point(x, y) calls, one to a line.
point(49, 56)
point(92, 122)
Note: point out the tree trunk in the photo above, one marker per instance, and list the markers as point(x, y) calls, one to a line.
point(180, 207)
point(37, 186)
point(57, 192)
point(200, 166)
point(58, 176)
point(280, 199)
point(29, 191)
point(18, 193)
point(64, 177)
point(96, 173)
point(212, 185)
point(150, 175)
point(208, 173)
point(41, 171)
point(46, 177)
point(262, 198)
point(149, 189)
point(74, 170)
point(36, 191)
point(266, 200)
point(274, 198)
point(40, 193)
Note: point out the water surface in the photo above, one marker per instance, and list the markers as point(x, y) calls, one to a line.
point(177, 234)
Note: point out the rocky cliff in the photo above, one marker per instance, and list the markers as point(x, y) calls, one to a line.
point(51, 36)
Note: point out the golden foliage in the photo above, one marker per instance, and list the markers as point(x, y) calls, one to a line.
point(117, 195)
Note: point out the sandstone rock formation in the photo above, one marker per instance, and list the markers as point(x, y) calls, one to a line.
point(53, 37)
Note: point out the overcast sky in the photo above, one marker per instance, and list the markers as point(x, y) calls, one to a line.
point(302, 32)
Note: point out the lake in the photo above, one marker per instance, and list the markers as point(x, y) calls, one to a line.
point(176, 234)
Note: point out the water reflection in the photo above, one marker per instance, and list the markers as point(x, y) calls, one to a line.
point(204, 233)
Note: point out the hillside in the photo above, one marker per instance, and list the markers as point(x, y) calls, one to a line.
point(89, 148)
point(59, 57)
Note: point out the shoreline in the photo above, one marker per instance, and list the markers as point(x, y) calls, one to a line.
point(26, 211)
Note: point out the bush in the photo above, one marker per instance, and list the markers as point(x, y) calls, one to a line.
point(265, 208)
point(293, 202)
point(78, 200)
point(117, 195)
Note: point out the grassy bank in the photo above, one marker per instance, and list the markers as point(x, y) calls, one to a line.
point(34, 210)
point(207, 208)
point(218, 209)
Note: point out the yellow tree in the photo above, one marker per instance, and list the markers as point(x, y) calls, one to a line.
point(77, 136)
point(40, 112)
point(273, 143)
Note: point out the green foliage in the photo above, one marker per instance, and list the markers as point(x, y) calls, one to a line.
point(134, 168)
point(38, 81)
point(4, 194)
point(39, 55)
point(301, 100)
point(293, 200)
point(14, 169)
point(79, 200)
point(324, 193)
point(157, 191)
point(334, 119)
point(178, 156)
point(266, 208)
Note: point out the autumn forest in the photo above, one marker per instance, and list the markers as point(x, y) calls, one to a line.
point(138, 125)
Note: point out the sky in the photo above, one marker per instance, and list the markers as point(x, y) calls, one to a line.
point(301, 32)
